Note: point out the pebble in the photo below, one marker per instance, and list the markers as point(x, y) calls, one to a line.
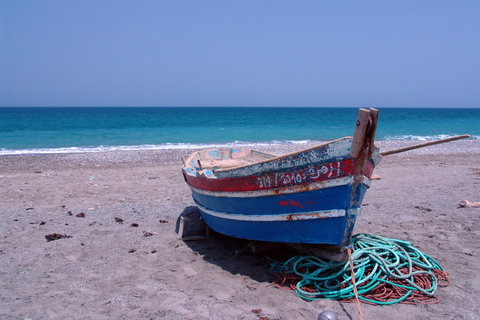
point(122, 158)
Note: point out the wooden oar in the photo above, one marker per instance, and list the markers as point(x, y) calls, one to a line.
point(422, 145)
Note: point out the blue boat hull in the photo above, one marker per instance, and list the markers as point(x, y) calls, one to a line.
point(330, 230)
point(321, 216)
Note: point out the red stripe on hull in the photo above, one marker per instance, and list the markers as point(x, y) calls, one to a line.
point(275, 180)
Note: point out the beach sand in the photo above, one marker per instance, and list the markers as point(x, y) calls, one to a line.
point(123, 259)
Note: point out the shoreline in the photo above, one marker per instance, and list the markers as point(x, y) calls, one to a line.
point(112, 269)
point(174, 156)
point(470, 145)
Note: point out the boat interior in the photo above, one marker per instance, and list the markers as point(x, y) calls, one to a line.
point(225, 159)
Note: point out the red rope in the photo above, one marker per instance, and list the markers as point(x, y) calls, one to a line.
point(383, 292)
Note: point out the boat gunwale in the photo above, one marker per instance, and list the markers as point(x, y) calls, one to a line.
point(275, 158)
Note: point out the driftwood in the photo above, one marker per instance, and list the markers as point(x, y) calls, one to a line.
point(423, 145)
point(468, 204)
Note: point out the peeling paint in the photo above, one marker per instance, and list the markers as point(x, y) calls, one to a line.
point(310, 196)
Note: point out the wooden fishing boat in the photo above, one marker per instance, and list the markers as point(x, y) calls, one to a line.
point(309, 199)
point(312, 196)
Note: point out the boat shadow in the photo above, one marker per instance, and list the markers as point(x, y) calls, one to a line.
point(237, 256)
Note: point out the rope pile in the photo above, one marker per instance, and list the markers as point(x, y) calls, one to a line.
point(386, 271)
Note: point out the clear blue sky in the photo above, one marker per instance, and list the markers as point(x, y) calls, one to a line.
point(240, 53)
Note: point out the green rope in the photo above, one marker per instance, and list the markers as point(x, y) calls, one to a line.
point(375, 258)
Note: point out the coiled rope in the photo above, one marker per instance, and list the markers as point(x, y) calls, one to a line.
point(386, 271)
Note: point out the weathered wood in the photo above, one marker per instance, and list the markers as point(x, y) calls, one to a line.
point(269, 159)
point(373, 130)
point(423, 145)
point(361, 144)
point(191, 238)
point(360, 132)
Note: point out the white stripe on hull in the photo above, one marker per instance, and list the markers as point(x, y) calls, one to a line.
point(276, 217)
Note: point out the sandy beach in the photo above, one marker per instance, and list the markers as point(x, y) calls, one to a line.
point(122, 258)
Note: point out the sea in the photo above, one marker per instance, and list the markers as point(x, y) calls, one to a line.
point(36, 130)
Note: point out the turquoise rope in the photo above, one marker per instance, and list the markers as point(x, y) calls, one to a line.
point(332, 280)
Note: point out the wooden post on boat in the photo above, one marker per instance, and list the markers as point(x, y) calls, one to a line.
point(364, 135)
point(362, 145)
point(372, 130)
point(362, 148)
point(358, 142)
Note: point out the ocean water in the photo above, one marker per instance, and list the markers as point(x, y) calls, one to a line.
point(90, 129)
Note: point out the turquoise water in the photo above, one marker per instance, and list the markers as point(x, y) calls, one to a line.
point(45, 129)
